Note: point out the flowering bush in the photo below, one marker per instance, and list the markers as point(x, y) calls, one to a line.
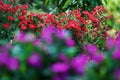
point(30, 58)
point(55, 57)
point(82, 24)
point(71, 45)
point(107, 66)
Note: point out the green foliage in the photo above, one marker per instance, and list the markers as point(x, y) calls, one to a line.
point(113, 9)
point(58, 6)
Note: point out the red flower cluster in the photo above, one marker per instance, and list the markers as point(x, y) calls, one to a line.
point(5, 25)
point(10, 18)
point(13, 10)
point(75, 20)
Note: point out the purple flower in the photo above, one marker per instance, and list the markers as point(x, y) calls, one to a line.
point(70, 42)
point(79, 63)
point(20, 36)
point(110, 42)
point(57, 78)
point(4, 58)
point(118, 37)
point(63, 57)
point(117, 74)
point(117, 43)
point(60, 77)
point(35, 60)
point(9, 45)
point(60, 67)
point(98, 58)
point(46, 34)
point(24, 37)
point(29, 37)
point(92, 49)
point(13, 64)
point(36, 42)
point(116, 54)
point(62, 34)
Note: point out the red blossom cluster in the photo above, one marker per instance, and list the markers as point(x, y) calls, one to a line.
point(12, 10)
point(75, 20)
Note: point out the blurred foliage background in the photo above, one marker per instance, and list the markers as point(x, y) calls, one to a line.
point(113, 9)
point(58, 6)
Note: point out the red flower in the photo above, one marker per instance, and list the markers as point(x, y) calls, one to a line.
point(11, 10)
point(23, 27)
point(73, 24)
point(10, 18)
point(86, 12)
point(24, 6)
point(5, 25)
point(84, 29)
point(32, 26)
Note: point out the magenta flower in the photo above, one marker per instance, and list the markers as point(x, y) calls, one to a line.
point(110, 43)
point(92, 49)
point(4, 58)
point(62, 34)
point(60, 67)
point(70, 42)
point(79, 63)
point(46, 34)
point(60, 77)
point(117, 74)
point(116, 54)
point(13, 64)
point(63, 57)
point(29, 37)
point(98, 58)
point(36, 42)
point(35, 60)
point(117, 44)
point(20, 36)
point(118, 37)
point(57, 78)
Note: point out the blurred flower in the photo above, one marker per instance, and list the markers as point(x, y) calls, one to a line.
point(23, 27)
point(117, 74)
point(9, 45)
point(98, 58)
point(5, 25)
point(62, 34)
point(117, 44)
point(79, 63)
point(57, 78)
point(32, 26)
point(10, 18)
point(36, 42)
point(70, 42)
point(110, 42)
point(13, 64)
point(35, 60)
point(30, 37)
point(60, 67)
point(4, 58)
point(20, 36)
point(92, 49)
point(63, 57)
point(60, 77)
point(46, 34)
point(116, 54)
